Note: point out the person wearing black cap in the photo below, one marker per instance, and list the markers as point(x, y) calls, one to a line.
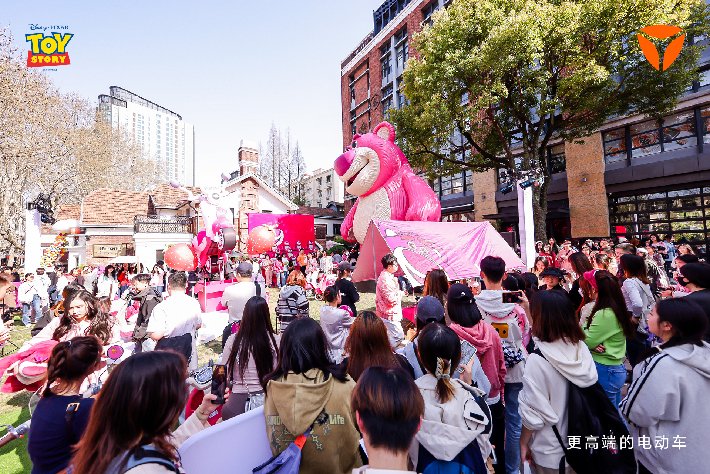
point(552, 278)
point(348, 292)
point(430, 310)
point(696, 278)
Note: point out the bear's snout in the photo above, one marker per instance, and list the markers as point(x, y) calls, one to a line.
point(342, 164)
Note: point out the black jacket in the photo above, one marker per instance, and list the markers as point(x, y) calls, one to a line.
point(348, 293)
point(147, 300)
point(702, 298)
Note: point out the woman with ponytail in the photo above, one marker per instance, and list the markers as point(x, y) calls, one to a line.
point(62, 414)
point(450, 409)
point(668, 397)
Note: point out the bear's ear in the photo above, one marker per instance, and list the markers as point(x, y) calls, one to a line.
point(385, 131)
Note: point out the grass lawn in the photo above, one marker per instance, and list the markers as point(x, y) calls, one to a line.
point(13, 407)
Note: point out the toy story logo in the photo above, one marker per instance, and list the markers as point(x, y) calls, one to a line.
point(48, 49)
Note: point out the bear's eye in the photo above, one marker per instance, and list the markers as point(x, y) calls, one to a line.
point(354, 145)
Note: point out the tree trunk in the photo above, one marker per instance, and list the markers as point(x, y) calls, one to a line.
point(540, 210)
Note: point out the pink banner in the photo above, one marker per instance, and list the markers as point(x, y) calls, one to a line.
point(293, 232)
point(455, 247)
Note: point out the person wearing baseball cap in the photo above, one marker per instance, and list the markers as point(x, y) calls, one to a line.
point(236, 296)
point(429, 310)
point(348, 293)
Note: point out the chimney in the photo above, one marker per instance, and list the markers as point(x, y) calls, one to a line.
point(248, 158)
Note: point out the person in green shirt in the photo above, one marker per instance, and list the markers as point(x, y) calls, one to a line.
point(606, 331)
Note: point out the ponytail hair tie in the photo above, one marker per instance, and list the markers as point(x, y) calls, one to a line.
point(590, 277)
point(440, 367)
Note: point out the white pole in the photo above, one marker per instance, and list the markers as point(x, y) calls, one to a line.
point(526, 225)
point(33, 241)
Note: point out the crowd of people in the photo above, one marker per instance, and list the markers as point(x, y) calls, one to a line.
point(479, 378)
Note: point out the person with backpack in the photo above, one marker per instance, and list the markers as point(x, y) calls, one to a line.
point(451, 409)
point(130, 428)
point(430, 310)
point(511, 322)
point(543, 401)
point(174, 322)
point(235, 297)
point(144, 298)
point(61, 416)
point(293, 301)
point(639, 300)
point(250, 355)
point(606, 331)
point(668, 397)
point(468, 324)
point(307, 394)
point(389, 409)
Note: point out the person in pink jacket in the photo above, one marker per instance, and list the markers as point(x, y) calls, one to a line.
point(388, 300)
point(468, 324)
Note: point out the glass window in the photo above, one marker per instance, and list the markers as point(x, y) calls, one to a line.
point(684, 192)
point(652, 206)
point(705, 116)
point(645, 139)
point(457, 184)
point(557, 159)
point(687, 225)
point(704, 81)
point(469, 180)
point(615, 145)
point(678, 215)
point(679, 131)
point(630, 207)
point(386, 68)
point(686, 202)
point(446, 185)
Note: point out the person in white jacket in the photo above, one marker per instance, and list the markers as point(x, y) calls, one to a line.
point(639, 300)
point(543, 400)
point(666, 405)
point(451, 435)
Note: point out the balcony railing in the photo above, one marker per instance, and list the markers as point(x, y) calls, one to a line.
point(158, 225)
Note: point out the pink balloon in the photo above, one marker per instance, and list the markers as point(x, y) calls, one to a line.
point(180, 257)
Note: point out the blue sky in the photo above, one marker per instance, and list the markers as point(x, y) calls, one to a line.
point(231, 68)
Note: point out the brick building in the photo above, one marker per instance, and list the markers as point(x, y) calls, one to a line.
point(632, 177)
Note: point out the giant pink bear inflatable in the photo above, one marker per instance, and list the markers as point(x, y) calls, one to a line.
point(378, 173)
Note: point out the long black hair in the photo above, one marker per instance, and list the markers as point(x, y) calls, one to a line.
point(440, 351)
point(687, 318)
point(255, 338)
point(139, 404)
point(462, 307)
point(609, 295)
point(72, 361)
point(99, 322)
point(304, 347)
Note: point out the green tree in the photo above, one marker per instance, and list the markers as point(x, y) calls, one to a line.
point(494, 81)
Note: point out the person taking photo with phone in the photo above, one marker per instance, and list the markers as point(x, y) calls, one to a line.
point(513, 326)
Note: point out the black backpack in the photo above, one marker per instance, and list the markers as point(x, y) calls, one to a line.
point(591, 416)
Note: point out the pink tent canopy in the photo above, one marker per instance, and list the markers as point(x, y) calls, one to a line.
point(455, 247)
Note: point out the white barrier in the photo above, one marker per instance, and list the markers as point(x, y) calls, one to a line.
point(212, 326)
point(237, 446)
